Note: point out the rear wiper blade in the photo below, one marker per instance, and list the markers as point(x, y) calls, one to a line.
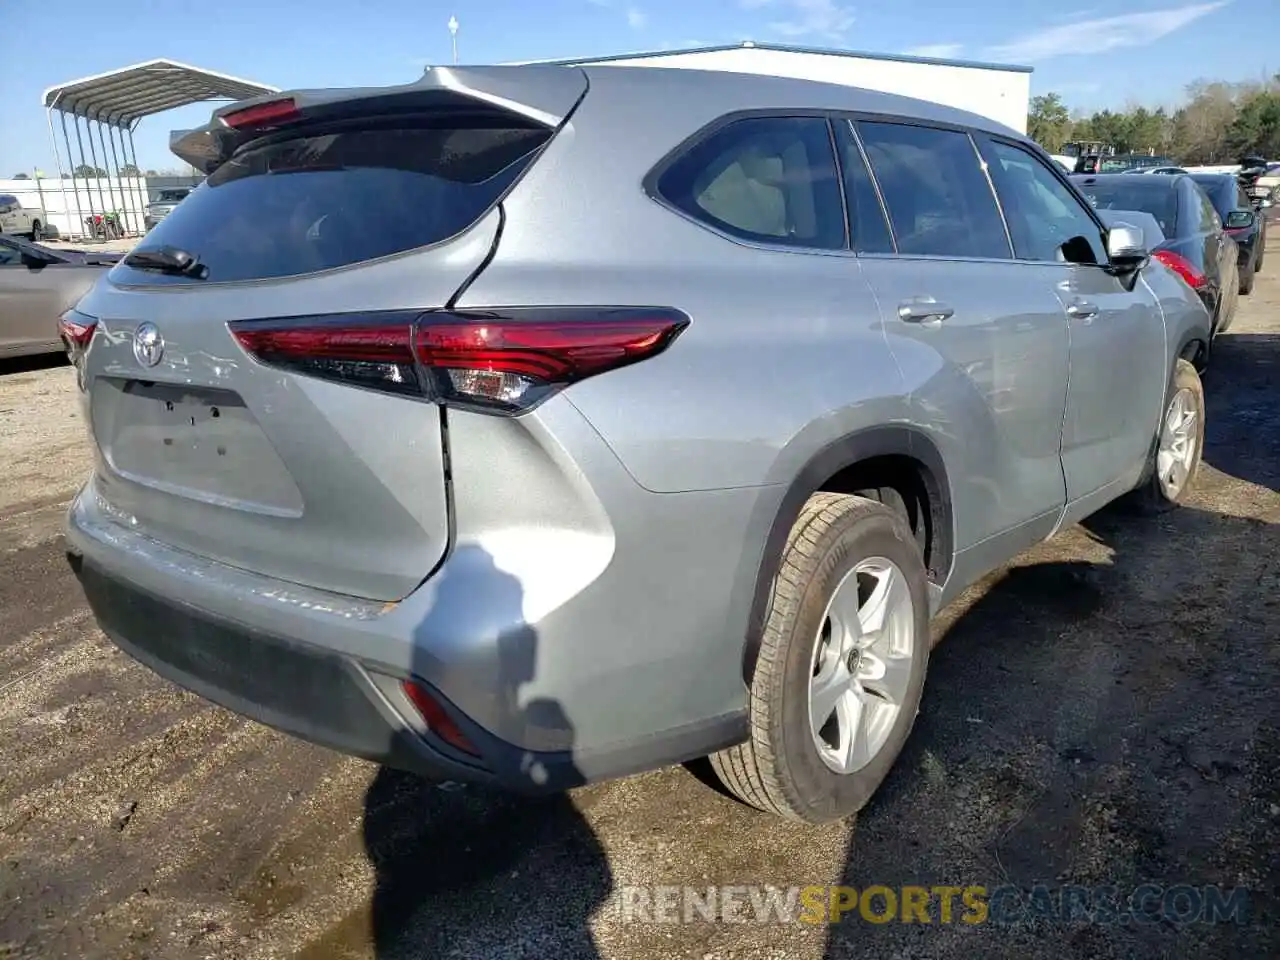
point(168, 260)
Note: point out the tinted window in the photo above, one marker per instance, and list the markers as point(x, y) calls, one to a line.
point(1154, 195)
point(1209, 222)
point(940, 203)
point(869, 230)
point(1041, 211)
point(329, 199)
point(7, 203)
point(770, 180)
point(9, 256)
point(1220, 191)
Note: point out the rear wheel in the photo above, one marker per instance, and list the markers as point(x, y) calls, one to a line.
point(1176, 450)
point(842, 664)
point(1246, 281)
point(37, 231)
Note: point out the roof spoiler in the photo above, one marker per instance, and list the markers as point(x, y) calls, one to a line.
point(541, 94)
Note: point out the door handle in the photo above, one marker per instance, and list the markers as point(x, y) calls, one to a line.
point(924, 310)
point(1080, 309)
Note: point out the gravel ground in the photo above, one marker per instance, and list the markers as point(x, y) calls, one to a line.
point(1103, 710)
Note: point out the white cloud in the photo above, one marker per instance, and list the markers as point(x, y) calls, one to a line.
point(637, 19)
point(1102, 34)
point(940, 51)
point(806, 18)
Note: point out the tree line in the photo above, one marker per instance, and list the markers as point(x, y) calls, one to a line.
point(1218, 123)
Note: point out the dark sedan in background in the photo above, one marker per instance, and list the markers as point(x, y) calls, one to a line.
point(1196, 245)
point(37, 285)
point(1245, 224)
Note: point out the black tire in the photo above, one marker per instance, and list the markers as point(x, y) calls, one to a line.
point(779, 769)
point(1246, 281)
point(37, 231)
point(1151, 496)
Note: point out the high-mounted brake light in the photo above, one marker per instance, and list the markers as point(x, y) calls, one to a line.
point(503, 361)
point(268, 114)
point(1182, 267)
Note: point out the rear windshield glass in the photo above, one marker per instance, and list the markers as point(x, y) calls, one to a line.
point(1157, 198)
point(329, 199)
point(1220, 191)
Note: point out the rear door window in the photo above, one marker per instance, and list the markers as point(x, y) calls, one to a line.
point(323, 199)
point(764, 179)
point(869, 231)
point(939, 200)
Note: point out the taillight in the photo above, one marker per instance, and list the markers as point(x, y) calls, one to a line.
point(263, 114)
point(438, 721)
point(75, 330)
point(502, 361)
point(1182, 267)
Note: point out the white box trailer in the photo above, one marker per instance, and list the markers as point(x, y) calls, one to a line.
point(998, 91)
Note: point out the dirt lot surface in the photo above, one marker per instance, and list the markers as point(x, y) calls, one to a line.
point(128, 243)
point(1103, 711)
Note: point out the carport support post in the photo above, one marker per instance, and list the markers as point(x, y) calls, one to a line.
point(93, 154)
point(106, 162)
point(80, 227)
point(142, 180)
point(125, 220)
point(57, 162)
point(134, 181)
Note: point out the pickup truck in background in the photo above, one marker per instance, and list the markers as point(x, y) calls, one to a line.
point(163, 205)
point(15, 219)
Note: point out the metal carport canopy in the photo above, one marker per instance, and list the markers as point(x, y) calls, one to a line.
point(123, 97)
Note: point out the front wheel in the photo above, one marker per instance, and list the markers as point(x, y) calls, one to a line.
point(1174, 461)
point(841, 667)
point(1246, 281)
point(37, 231)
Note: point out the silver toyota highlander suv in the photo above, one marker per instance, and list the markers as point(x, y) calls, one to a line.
point(537, 425)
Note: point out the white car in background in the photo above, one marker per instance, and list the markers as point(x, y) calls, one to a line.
point(17, 219)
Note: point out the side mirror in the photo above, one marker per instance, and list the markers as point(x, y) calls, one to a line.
point(1240, 219)
point(1126, 246)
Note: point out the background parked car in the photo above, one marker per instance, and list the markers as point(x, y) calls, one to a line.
point(17, 219)
point(37, 285)
point(163, 205)
point(1245, 224)
point(1196, 246)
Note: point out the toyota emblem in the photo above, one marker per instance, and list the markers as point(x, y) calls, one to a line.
point(148, 345)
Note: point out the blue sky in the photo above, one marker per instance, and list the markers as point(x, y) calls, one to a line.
point(1139, 50)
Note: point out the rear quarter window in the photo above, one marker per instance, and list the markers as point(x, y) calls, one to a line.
point(764, 179)
point(326, 198)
